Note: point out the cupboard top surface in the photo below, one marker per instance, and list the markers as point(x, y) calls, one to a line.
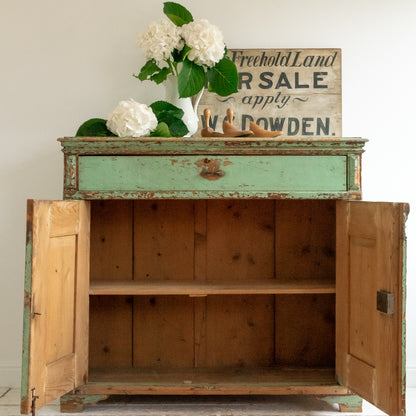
point(163, 145)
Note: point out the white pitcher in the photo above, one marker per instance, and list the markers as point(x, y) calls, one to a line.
point(190, 117)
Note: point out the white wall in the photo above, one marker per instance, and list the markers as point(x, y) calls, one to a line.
point(63, 62)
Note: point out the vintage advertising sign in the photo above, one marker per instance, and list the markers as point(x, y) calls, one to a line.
point(297, 91)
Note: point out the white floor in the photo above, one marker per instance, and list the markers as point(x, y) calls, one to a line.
point(202, 406)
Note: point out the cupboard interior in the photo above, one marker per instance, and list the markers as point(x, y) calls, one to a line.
point(271, 263)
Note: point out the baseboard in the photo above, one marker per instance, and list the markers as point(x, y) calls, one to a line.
point(411, 375)
point(10, 374)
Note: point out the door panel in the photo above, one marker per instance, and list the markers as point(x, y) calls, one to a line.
point(55, 339)
point(370, 343)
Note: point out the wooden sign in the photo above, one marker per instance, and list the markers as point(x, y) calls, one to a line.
point(297, 91)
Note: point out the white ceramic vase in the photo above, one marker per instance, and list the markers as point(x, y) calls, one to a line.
point(190, 117)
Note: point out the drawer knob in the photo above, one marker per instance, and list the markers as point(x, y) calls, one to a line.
point(210, 169)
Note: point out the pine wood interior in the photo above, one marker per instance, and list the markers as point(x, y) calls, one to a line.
point(231, 287)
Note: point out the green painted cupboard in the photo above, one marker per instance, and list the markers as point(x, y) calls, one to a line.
point(214, 266)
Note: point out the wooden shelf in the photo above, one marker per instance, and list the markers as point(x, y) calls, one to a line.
point(213, 381)
point(196, 289)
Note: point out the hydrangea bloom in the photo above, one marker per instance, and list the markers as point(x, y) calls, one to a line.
point(206, 41)
point(131, 119)
point(160, 39)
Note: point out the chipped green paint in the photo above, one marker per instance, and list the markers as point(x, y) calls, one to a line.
point(74, 402)
point(339, 379)
point(349, 403)
point(404, 271)
point(317, 182)
point(352, 166)
point(312, 168)
point(27, 310)
point(70, 194)
point(238, 173)
point(70, 171)
point(231, 146)
point(403, 317)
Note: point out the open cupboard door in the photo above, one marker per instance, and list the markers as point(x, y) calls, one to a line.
point(370, 311)
point(55, 333)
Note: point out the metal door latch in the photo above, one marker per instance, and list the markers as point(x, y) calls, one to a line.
point(34, 313)
point(34, 398)
point(385, 302)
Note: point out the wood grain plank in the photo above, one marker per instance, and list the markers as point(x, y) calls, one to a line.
point(342, 290)
point(163, 240)
point(363, 332)
point(240, 331)
point(111, 240)
point(82, 298)
point(240, 240)
point(163, 331)
point(200, 275)
point(305, 239)
point(59, 298)
point(207, 389)
point(205, 381)
point(111, 332)
point(240, 248)
point(221, 287)
point(61, 220)
point(111, 319)
point(60, 292)
point(269, 374)
point(305, 330)
point(370, 244)
point(60, 377)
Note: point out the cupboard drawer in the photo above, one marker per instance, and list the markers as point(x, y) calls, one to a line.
point(276, 173)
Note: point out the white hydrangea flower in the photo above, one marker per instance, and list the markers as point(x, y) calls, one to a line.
point(131, 119)
point(160, 39)
point(206, 41)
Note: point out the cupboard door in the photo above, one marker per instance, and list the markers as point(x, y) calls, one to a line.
point(55, 333)
point(370, 301)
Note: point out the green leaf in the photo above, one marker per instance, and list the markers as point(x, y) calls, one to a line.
point(223, 78)
point(161, 76)
point(179, 56)
point(163, 106)
point(171, 115)
point(162, 130)
point(191, 79)
point(177, 13)
point(148, 69)
point(178, 128)
point(95, 127)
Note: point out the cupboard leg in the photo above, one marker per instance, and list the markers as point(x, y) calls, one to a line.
point(74, 403)
point(347, 403)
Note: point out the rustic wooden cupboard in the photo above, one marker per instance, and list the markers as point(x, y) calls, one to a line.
point(214, 266)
